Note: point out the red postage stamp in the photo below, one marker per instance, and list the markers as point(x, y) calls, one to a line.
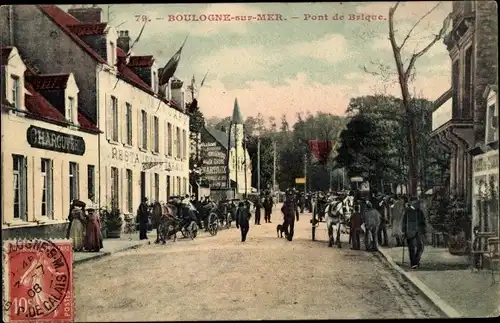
point(38, 281)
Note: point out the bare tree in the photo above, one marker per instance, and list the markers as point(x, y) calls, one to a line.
point(405, 75)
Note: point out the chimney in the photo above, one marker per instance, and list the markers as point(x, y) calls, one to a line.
point(87, 15)
point(123, 40)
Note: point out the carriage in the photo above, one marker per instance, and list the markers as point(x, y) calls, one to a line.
point(168, 220)
point(220, 215)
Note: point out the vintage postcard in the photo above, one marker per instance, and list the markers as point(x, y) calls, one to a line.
point(249, 161)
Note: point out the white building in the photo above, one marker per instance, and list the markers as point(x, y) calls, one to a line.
point(118, 93)
point(49, 149)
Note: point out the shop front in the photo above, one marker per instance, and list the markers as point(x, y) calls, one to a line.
point(44, 167)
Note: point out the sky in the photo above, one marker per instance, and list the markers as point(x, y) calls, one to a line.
point(294, 65)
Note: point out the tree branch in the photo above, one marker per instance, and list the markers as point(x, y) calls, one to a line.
point(436, 38)
point(417, 23)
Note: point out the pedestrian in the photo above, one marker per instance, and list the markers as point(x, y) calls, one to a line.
point(382, 236)
point(414, 229)
point(475, 248)
point(267, 209)
point(288, 210)
point(258, 206)
point(355, 228)
point(243, 220)
point(77, 226)
point(371, 220)
point(93, 239)
point(296, 206)
point(143, 219)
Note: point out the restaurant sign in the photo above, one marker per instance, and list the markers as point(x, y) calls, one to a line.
point(56, 141)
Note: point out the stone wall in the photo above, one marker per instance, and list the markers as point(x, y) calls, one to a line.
point(54, 231)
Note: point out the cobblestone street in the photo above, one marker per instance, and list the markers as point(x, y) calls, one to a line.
point(218, 278)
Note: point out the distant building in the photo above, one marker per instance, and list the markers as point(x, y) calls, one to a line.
point(465, 118)
point(49, 150)
point(214, 148)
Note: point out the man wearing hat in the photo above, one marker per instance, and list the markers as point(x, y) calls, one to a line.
point(413, 228)
point(288, 210)
point(143, 219)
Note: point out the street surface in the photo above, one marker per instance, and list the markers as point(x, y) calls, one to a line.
point(264, 278)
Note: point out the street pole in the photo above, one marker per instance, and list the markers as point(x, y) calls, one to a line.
point(274, 167)
point(258, 164)
point(236, 144)
point(305, 173)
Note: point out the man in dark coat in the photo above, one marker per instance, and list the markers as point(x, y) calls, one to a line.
point(258, 206)
point(268, 208)
point(243, 220)
point(302, 202)
point(413, 228)
point(355, 228)
point(382, 207)
point(143, 219)
point(288, 210)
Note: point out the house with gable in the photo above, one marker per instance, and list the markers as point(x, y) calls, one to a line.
point(144, 151)
point(49, 149)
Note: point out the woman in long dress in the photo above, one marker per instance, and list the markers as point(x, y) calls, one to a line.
point(93, 239)
point(77, 228)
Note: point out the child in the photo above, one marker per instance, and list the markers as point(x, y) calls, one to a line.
point(243, 220)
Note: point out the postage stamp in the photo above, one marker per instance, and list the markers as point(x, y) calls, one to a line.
point(37, 281)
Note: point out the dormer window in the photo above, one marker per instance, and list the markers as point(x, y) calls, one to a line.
point(70, 109)
point(112, 54)
point(16, 88)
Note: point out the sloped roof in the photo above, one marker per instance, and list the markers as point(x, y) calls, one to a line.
point(220, 137)
point(49, 81)
point(37, 105)
point(68, 23)
point(5, 53)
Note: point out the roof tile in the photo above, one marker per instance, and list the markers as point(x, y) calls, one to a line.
point(141, 61)
point(49, 81)
point(88, 29)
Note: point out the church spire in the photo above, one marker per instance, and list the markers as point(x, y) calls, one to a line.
point(237, 118)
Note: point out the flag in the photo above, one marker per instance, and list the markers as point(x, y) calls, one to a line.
point(169, 70)
point(203, 81)
point(136, 40)
point(321, 149)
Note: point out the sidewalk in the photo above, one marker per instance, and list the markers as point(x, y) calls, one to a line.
point(448, 282)
point(111, 246)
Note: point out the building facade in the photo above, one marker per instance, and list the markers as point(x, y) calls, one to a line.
point(49, 150)
point(465, 118)
point(144, 151)
point(459, 114)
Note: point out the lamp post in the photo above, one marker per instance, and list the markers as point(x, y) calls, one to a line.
point(257, 133)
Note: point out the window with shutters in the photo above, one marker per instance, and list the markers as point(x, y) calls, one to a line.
point(169, 139)
point(179, 185)
point(16, 88)
point(156, 134)
point(115, 197)
point(20, 186)
point(130, 207)
point(144, 117)
point(168, 186)
point(114, 112)
point(184, 145)
point(47, 187)
point(91, 182)
point(128, 118)
point(73, 182)
point(178, 142)
point(157, 187)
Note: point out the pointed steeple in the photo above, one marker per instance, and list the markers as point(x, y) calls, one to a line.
point(237, 118)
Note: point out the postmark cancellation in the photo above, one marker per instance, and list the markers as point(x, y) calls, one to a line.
point(37, 280)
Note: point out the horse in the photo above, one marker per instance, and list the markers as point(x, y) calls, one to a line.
point(338, 216)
